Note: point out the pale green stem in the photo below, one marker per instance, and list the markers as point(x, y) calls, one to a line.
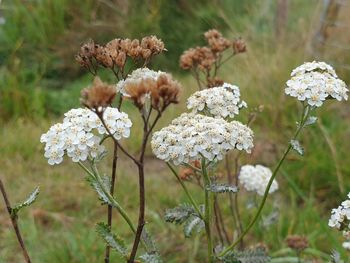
point(110, 198)
point(207, 217)
point(193, 202)
point(305, 114)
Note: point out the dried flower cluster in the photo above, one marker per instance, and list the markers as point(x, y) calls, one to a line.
point(80, 133)
point(223, 101)
point(315, 82)
point(143, 84)
point(191, 136)
point(116, 52)
point(256, 179)
point(298, 243)
point(100, 95)
point(205, 57)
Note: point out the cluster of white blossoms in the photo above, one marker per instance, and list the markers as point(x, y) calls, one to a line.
point(191, 136)
point(256, 178)
point(224, 101)
point(137, 76)
point(340, 217)
point(315, 82)
point(75, 136)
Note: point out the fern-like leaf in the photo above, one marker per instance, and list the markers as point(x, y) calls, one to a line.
point(297, 147)
point(179, 214)
point(257, 255)
point(97, 187)
point(222, 188)
point(30, 200)
point(111, 239)
point(193, 223)
point(151, 258)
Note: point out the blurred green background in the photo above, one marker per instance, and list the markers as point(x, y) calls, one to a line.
point(40, 80)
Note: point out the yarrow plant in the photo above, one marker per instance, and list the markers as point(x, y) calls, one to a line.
point(83, 131)
point(199, 140)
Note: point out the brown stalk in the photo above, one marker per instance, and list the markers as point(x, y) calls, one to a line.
point(14, 223)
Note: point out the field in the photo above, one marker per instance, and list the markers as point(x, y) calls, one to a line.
point(40, 81)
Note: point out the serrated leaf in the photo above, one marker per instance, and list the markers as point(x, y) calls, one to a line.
point(30, 199)
point(148, 241)
point(179, 214)
point(297, 146)
point(97, 187)
point(257, 255)
point(151, 258)
point(111, 239)
point(335, 257)
point(194, 223)
point(311, 120)
point(222, 188)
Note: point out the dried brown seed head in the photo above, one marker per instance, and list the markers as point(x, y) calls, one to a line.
point(239, 46)
point(152, 43)
point(99, 95)
point(103, 57)
point(296, 242)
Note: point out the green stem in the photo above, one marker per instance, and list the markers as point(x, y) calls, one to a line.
point(110, 198)
point(193, 202)
point(306, 111)
point(207, 215)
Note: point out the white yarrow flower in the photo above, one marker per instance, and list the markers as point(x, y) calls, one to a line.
point(223, 101)
point(256, 179)
point(80, 133)
point(314, 82)
point(191, 136)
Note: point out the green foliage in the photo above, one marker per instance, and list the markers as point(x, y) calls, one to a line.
point(335, 257)
point(179, 214)
point(106, 180)
point(185, 214)
point(151, 258)
point(257, 255)
point(30, 200)
point(222, 188)
point(193, 224)
point(296, 146)
point(114, 241)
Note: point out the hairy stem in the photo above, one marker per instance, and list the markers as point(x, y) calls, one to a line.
point(193, 202)
point(305, 115)
point(14, 223)
point(207, 216)
point(111, 191)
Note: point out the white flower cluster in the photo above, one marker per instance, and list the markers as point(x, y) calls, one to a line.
point(191, 136)
point(256, 178)
point(223, 101)
point(76, 137)
point(340, 217)
point(315, 82)
point(137, 76)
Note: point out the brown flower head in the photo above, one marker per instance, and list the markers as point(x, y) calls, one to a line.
point(145, 84)
point(86, 53)
point(103, 57)
point(99, 96)
point(201, 57)
point(216, 41)
point(153, 44)
point(215, 82)
point(298, 243)
point(239, 46)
